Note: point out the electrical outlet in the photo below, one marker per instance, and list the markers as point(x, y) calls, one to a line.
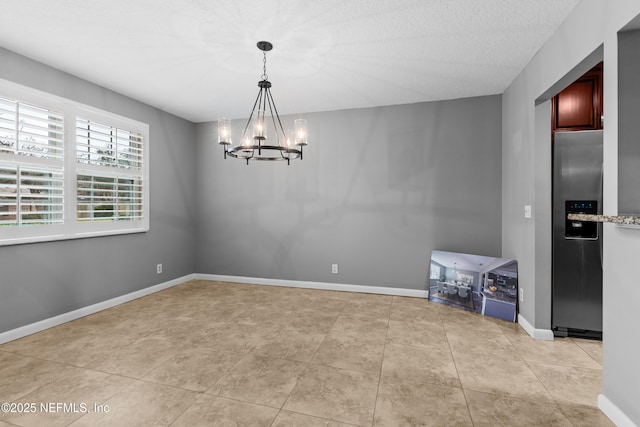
point(159, 268)
point(334, 268)
point(527, 211)
point(521, 291)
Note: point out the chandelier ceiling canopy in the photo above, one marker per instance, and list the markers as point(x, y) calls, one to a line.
point(255, 142)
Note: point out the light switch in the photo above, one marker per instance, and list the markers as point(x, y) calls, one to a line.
point(527, 211)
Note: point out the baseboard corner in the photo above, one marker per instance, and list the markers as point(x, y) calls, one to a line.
point(538, 334)
point(41, 325)
point(614, 413)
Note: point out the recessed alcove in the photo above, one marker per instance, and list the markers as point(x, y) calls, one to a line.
point(628, 115)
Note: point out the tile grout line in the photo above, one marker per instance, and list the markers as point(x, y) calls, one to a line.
point(555, 401)
point(309, 364)
point(384, 350)
point(464, 394)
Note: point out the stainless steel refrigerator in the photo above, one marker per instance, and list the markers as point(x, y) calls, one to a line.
point(577, 245)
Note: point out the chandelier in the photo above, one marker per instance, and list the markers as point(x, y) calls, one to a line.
point(254, 145)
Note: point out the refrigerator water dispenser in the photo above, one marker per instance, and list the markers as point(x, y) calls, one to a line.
point(586, 230)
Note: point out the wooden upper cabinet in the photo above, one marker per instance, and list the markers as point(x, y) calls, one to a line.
point(579, 106)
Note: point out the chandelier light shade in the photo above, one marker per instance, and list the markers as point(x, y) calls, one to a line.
point(264, 137)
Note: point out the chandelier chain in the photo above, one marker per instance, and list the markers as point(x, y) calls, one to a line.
point(264, 66)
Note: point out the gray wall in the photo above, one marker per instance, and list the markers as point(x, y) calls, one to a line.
point(629, 106)
point(41, 280)
point(526, 181)
point(377, 191)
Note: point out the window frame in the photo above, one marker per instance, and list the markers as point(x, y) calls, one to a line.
point(71, 227)
point(432, 271)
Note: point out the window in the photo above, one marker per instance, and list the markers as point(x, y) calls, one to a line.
point(31, 172)
point(48, 190)
point(434, 272)
point(30, 131)
point(30, 196)
point(109, 174)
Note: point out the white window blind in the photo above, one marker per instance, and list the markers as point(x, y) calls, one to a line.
point(32, 164)
point(108, 198)
point(48, 192)
point(29, 130)
point(31, 196)
point(112, 188)
point(104, 145)
point(435, 272)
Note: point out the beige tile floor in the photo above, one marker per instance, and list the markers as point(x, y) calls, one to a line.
point(222, 354)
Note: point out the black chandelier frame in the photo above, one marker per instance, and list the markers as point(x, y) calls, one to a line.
point(254, 147)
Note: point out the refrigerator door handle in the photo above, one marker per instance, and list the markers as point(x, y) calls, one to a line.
point(601, 253)
point(600, 225)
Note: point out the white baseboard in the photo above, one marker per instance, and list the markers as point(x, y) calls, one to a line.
point(401, 292)
point(538, 334)
point(32, 328)
point(614, 413)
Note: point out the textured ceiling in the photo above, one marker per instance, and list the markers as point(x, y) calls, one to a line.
point(198, 58)
point(471, 262)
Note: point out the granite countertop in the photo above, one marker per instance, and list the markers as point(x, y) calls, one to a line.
point(499, 296)
point(626, 220)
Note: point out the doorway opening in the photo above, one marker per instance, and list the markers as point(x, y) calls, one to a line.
point(543, 187)
point(577, 187)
